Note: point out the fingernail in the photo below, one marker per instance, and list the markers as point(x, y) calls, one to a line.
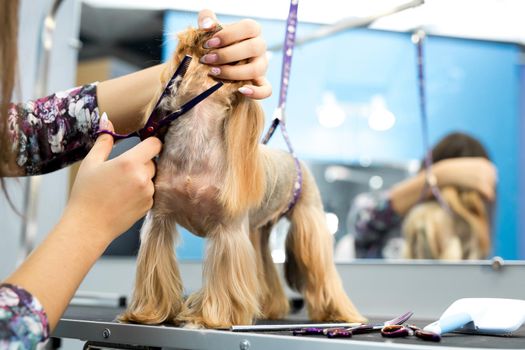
point(215, 71)
point(207, 23)
point(245, 90)
point(209, 58)
point(213, 42)
point(104, 122)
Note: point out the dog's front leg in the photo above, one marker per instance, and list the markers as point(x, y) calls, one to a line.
point(273, 301)
point(230, 292)
point(157, 296)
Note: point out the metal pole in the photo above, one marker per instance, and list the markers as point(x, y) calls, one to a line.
point(348, 23)
point(32, 185)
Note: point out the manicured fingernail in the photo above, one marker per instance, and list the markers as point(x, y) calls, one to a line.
point(213, 42)
point(245, 90)
point(215, 71)
point(207, 23)
point(104, 122)
point(209, 58)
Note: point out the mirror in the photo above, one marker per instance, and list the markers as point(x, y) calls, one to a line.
point(353, 108)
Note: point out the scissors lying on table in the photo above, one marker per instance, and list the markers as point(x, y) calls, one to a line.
point(158, 120)
point(398, 331)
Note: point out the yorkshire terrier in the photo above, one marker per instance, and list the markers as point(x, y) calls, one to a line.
point(216, 179)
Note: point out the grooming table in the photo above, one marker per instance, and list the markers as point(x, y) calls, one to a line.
point(97, 324)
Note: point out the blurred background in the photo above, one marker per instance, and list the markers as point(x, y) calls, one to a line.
point(352, 108)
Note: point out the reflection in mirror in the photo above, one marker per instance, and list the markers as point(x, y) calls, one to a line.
point(409, 220)
point(353, 115)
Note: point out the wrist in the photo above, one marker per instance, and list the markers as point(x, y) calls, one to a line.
point(439, 174)
point(94, 233)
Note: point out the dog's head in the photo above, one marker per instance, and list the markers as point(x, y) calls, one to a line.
point(197, 78)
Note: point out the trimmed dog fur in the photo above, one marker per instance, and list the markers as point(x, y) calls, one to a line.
point(218, 181)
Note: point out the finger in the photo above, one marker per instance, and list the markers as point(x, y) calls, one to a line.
point(489, 193)
point(263, 89)
point(150, 169)
point(245, 49)
point(233, 33)
point(103, 145)
point(105, 123)
point(207, 19)
point(145, 151)
point(247, 71)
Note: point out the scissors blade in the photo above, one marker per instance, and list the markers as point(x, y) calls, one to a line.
point(190, 104)
point(174, 82)
point(181, 72)
point(199, 98)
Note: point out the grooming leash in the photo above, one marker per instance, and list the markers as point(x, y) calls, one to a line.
point(279, 120)
point(430, 178)
point(158, 120)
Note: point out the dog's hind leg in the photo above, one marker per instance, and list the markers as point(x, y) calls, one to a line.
point(309, 266)
point(230, 287)
point(157, 296)
point(273, 301)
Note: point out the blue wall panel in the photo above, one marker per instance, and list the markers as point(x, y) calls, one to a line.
point(472, 86)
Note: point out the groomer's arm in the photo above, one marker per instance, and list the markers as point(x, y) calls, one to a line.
point(127, 96)
point(405, 194)
point(106, 199)
point(124, 99)
point(53, 272)
point(468, 172)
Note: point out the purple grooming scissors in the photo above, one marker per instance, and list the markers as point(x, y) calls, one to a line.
point(399, 331)
point(159, 119)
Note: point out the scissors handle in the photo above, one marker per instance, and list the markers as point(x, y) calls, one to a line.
point(117, 136)
point(395, 331)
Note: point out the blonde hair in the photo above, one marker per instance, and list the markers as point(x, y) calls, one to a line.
point(431, 232)
point(8, 59)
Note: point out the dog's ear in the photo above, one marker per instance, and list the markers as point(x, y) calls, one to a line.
point(244, 183)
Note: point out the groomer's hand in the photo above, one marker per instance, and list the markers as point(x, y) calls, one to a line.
point(236, 42)
point(109, 196)
point(469, 172)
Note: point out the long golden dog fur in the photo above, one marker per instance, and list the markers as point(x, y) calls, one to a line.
point(431, 232)
point(215, 179)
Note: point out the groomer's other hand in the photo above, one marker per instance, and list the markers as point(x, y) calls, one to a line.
point(469, 172)
point(109, 196)
point(236, 42)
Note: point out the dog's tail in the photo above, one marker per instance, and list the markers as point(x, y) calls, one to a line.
point(309, 266)
point(157, 296)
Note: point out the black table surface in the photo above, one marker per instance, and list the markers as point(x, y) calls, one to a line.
point(514, 341)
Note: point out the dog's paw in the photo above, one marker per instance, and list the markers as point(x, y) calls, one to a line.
point(276, 309)
point(193, 325)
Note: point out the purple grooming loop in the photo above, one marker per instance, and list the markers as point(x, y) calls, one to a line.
point(289, 41)
point(430, 180)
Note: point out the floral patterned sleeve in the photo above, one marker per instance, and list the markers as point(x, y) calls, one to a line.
point(52, 132)
point(375, 224)
point(23, 322)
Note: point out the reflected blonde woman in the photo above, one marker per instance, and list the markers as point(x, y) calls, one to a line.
point(463, 172)
point(460, 231)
